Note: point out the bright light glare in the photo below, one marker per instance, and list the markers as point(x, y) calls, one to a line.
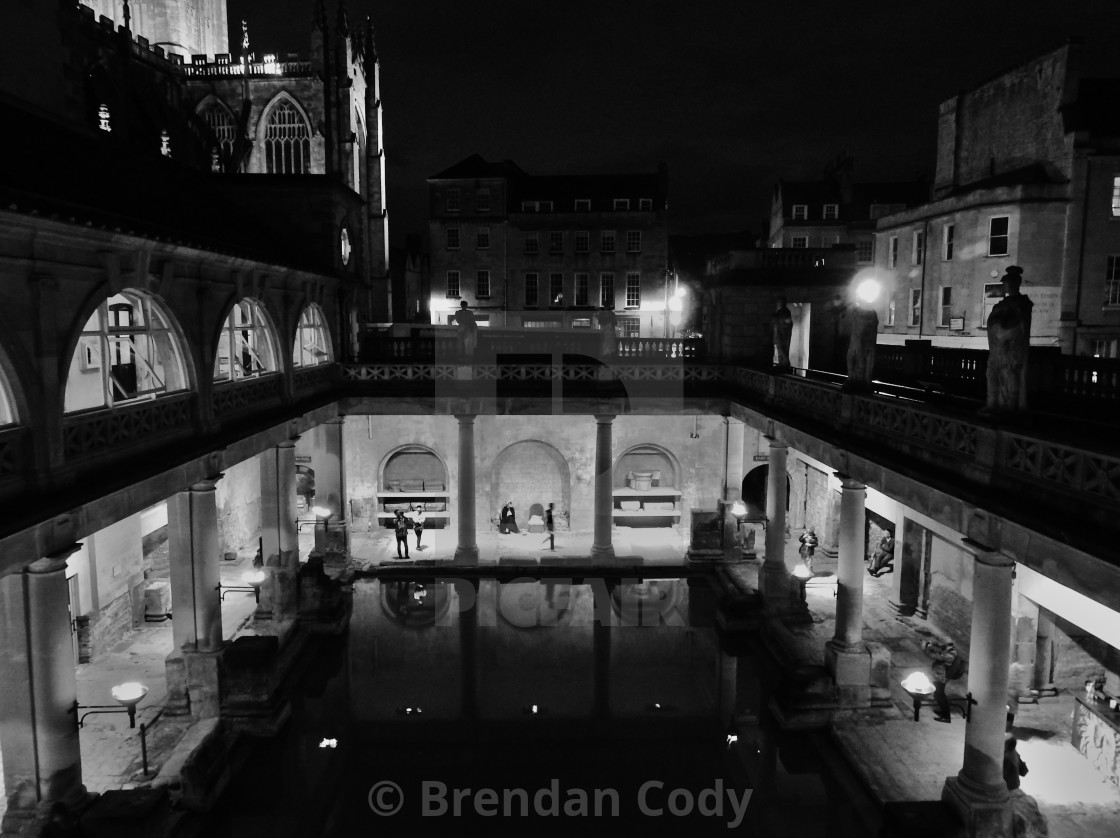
point(738, 508)
point(802, 572)
point(329, 743)
point(732, 738)
point(868, 290)
point(129, 693)
point(253, 577)
point(917, 682)
point(320, 512)
point(681, 291)
point(676, 303)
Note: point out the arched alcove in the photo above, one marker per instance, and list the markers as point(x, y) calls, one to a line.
point(532, 472)
point(648, 457)
point(128, 350)
point(754, 492)
point(409, 475)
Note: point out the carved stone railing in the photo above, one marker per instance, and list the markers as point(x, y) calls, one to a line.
point(235, 397)
point(670, 349)
point(1064, 467)
point(99, 431)
point(13, 442)
point(307, 379)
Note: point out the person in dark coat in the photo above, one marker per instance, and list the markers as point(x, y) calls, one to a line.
point(507, 522)
point(946, 667)
point(1013, 765)
point(401, 525)
point(550, 525)
point(808, 547)
point(883, 559)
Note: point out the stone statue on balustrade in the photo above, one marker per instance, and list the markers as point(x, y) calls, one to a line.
point(1009, 339)
point(608, 339)
point(864, 332)
point(467, 334)
point(782, 324)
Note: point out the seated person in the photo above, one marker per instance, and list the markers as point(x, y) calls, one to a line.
point(883, 559)
point(507, 521)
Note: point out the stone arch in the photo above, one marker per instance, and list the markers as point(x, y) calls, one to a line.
point(648, 456)
point(412, 461)
point(248, 342)
point(219, 122)
point(311, 342)
point(130, 346)
point(12, 404)
point(531, 472)
point(754, 492)
point(297, 143)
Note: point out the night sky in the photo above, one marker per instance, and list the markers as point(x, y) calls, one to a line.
point(732, 94)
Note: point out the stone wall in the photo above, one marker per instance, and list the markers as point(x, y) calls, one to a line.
point(1078, 656)
point(950, 603)
point(239, 507)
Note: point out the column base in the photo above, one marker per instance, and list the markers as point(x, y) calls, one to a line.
point(602, 554)
point(985, 812)
point(774, 585)
point(903, 609)
point(466, 555)
point(204, 683)
point(850, 668)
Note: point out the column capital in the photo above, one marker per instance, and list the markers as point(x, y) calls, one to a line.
point(53, 562)
point(605, 418)
point(466, 418)
point(986, 555)
point(849, 482)
point(207, 485)
point(337, 420)
point(288, 443)
point(774, 442)
point(731, 420)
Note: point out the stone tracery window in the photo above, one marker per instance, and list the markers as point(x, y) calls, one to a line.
point(247, 346)
point(222, 129)
point(127, 352)
point(313, 341)
point(7, 404)
point(287, 141)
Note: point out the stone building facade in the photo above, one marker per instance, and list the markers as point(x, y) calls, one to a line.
point(547, 252)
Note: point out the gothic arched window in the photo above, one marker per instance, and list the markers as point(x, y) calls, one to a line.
point(7, 403)
point(313, 341)
point(287, 141)
point(222, 130)
point(127, 351)
point(247, 347)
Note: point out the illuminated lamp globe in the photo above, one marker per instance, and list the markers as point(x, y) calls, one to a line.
point(802, 572)
point(253, 577)
point(738, 509)
point(129, 694)
point(868, 290)
point(917, 683)
point(321, 512)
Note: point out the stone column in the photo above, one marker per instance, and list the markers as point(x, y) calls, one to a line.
point(733, 483)
point(192, 666)
point(38, 729)
point(846, 657)
point(466, 551)
point(279, 539)
point(978, 793)
point(330, 483)
point(774, 581)
point(602, 550)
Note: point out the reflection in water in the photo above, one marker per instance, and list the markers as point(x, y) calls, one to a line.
point(539, 690)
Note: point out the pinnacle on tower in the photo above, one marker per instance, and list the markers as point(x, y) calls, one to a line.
point(370, 44)
point(319, 17)
point(343, 20)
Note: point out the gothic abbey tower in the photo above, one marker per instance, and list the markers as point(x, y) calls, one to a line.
point(189, 27)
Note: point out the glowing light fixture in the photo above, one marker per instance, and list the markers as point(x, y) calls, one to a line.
point(328, 743)
point(321, 512)
point(868, 290)
point(127, 695)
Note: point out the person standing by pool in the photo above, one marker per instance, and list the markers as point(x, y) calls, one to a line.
point(401, 525)
point(550, 525)
point(418, 524)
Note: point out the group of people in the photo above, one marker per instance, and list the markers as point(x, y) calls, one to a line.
point(507, 523)
point(882, 560)
point(402, 525)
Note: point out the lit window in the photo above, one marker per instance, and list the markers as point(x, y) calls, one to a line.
point(313, 342)
point(633, 290)
point(528, 206)
point(222, 132)
point(622, 203)
point(630, 326)
point(482, 284)
point(531, 300)
point(800, 212)
point(1106, 348)
point(103, 118)
point(127, 351)
point(287, 141)
point(583, 241)
point(947, 242)
point(246, 347)
point(993, 293)
point(556, 289)
point(482, 200)
point(606, 290)
point(453, 284)
point(606, 241)
point(555, 242)
point(165, 143)
point(865, 251)
point(454, 200)
point(892, 252)
point(919, 246)
point(544, 206)
point(583, 205)
point(915, 306)
point(831, 212)
point(1112, 282)
point(7, 411)
point(1116, 196)
point(532, 243)
point(633, 241)
point(890, 313)
point(482, 238)
point(583, 289)
point(645, 203)
point(452, 238)
point(998, 235)
point(944, 312)
point(799, 242)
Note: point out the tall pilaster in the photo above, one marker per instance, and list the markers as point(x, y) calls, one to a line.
point(774, 580)
point(846, 657)
point(466, 551)
point(38, 690)
point(279, 539)
point(978, 793)
point(733, 482)
point(602, 549)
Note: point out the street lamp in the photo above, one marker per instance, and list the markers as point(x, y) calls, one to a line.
point(322, 515)
point(253, 580)
point(919, 688)
point(868, 290)
point(127, 696)
point(802, 574)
